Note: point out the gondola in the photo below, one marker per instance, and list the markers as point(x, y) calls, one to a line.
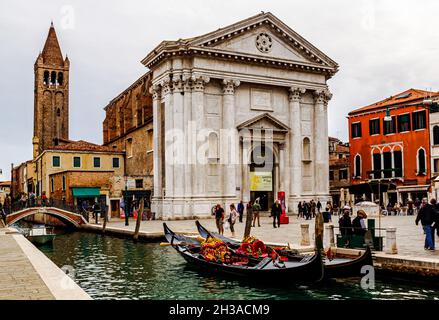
point(306, 269)
point(341, 266)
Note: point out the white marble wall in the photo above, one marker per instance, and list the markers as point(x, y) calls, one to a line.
point(214, 95)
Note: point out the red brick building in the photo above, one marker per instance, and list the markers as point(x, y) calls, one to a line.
point(394, 153)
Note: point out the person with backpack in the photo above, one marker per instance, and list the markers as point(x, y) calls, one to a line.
point(219, 218)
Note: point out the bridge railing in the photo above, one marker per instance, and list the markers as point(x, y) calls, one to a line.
point(39, 203)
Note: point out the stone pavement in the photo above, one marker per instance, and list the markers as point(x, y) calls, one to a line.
point(27, 274)
point(18, 278)
point(410, 238)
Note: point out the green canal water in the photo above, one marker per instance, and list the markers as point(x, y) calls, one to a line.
point(114, 268)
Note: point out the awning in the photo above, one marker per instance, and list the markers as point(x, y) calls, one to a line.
point(371, 187)
point(86, 192)
point(416, 188)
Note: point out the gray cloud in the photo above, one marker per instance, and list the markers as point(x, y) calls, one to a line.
point(383, 47)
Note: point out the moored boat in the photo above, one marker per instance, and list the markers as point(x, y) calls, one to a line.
point(39, 234)
point(303, 269)
point(339, 265)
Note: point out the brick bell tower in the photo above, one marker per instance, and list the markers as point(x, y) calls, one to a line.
point(51, 103)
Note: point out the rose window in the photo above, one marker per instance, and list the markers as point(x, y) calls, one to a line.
point(264, 42)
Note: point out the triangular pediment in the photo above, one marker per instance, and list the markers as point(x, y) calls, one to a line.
point(264, 121)
point(266, 36)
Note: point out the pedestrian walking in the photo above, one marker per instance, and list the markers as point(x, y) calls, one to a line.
point(276, 211)
point(256, 208)
point(427, 214)
point(306, 210)
point(219, 218)
point(299, 210)
point(359, 224)
point(232, 219)
point(313, 208)
point(44, 199)
point(240, 210)
point(345, 223)
point(319, 206)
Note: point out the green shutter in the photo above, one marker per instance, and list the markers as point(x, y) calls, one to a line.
point(97, 162)
point(56, 162)
point(76, 162)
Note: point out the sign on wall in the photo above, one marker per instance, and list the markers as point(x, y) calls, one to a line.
point(261, 181)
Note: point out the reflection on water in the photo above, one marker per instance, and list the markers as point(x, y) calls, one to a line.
point(113, 268)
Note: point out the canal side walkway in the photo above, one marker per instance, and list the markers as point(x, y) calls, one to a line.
point(27, 274)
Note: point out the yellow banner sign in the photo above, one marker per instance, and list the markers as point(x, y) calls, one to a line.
point(261, 181)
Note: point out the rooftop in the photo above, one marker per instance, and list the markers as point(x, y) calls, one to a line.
point(410, 95)
point(82, 145)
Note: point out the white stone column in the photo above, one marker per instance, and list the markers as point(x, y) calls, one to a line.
point(321, 149)
point(391, 241)
point(295, 96)
point(304, 227)
point(156, 91)
point(246, 145)
point(169, 124)
point(199, 169)
point(331, 237)
point(187, 121)
point(178, 108)
point(228, 138)
point(393, 164)
point(282, 172)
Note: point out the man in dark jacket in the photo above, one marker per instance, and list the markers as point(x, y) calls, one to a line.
point(240, 210)
point(427, 214)
point(345, 223)
point(276, 211)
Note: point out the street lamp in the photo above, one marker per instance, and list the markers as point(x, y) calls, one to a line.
point(387, 117)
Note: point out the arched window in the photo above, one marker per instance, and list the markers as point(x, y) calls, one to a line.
point(357, 169)
point(60, 78)
point(306, 149)
point(53, 77)
point(421, 161)
point(436, 135)
point(58, 112)
point(46, 78)
point(213, 146)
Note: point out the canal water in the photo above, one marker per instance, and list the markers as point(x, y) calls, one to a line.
point(113, 268)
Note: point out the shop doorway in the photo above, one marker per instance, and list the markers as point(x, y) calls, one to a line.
point(262, 176)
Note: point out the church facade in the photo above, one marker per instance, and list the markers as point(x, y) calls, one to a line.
point(239, 114)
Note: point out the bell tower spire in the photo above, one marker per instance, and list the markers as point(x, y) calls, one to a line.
point(51, 101)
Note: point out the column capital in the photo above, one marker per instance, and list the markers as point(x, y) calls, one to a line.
point(166, 85)
point(322, 96)
point(199, 82)
point(187, 82)
point(177, 82)
point(229, 85)
point(296, 93)
point(156, 91)
point(282, 146)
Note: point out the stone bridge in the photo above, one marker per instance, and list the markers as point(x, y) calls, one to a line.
point(65, 216)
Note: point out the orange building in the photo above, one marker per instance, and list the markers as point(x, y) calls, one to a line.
point(390, 148)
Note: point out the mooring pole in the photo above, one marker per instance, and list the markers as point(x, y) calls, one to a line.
point(319, 232)
point(139, 219)
point(248, 221)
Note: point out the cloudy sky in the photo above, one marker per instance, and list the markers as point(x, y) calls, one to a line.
point(383, 47)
